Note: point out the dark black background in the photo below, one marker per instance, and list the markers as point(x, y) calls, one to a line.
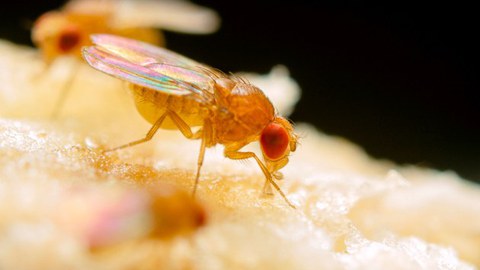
point(399, 78)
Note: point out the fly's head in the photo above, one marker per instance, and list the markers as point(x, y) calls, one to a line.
point(56, 34)
point(277, 140)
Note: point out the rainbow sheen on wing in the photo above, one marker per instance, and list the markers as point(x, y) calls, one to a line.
point(122, 69)
point(140, 52)
point(151, 67)
point(144, 54)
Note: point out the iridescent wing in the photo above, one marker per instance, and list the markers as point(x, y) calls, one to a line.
point(150, 66)
point(140, 52)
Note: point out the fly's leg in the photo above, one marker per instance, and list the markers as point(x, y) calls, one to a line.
point(182, 126)
point(267, 188)
point(233, 153)
point(65, 91)
point(273, 168)
point(204, 133)
point(201, 155)
point(147, 138)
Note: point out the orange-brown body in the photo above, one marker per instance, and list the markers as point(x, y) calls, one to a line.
point(237, 116)
point(239, 113)
point(174, 92)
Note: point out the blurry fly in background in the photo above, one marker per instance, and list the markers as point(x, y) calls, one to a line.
point(65, 31)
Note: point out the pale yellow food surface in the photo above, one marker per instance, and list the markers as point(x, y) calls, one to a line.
point(353, 212)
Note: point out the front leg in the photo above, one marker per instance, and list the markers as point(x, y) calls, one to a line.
point(274, 167)
point(232, 152)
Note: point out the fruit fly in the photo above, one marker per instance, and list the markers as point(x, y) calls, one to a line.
point(174, 92)
point(66, 31)
point(156, 211)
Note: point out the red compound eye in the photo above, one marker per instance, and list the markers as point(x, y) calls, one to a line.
point(68, 40)
point(274, 141)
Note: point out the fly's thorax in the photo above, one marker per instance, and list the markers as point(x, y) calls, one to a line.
point(242, 111)
point(223, 88)
point(152, 104)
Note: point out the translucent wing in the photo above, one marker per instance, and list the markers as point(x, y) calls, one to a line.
point(140, 52)
point(146, 54)
point(173, 15)
point(150, 66)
